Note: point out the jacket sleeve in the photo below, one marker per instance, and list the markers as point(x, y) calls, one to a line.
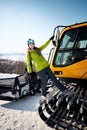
point(28, 61)
point(44, 45)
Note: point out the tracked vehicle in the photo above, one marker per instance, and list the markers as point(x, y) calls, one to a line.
point(68, 62)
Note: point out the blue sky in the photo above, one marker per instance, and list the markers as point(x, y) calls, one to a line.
point(23, 19)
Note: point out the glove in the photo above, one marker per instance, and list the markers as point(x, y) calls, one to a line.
point(52, 38)
point(30, 75)
point(54, 43)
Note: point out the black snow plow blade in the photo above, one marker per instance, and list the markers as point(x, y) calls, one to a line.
point(65, 112)
point(13, 88)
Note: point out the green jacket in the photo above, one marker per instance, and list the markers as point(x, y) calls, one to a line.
point(38, 60)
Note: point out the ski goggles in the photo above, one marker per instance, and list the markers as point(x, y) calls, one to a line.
point(30, 41)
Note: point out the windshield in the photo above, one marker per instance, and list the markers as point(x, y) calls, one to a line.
point(72, 47)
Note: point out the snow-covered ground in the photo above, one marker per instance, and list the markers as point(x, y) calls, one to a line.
point(21, 114)
point(7, 75)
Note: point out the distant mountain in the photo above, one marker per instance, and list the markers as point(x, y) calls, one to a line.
point(13, 56)
point(14, 53)
point(18, 56)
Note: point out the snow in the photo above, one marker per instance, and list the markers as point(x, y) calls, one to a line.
point(21, 114)
point(7, 75)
